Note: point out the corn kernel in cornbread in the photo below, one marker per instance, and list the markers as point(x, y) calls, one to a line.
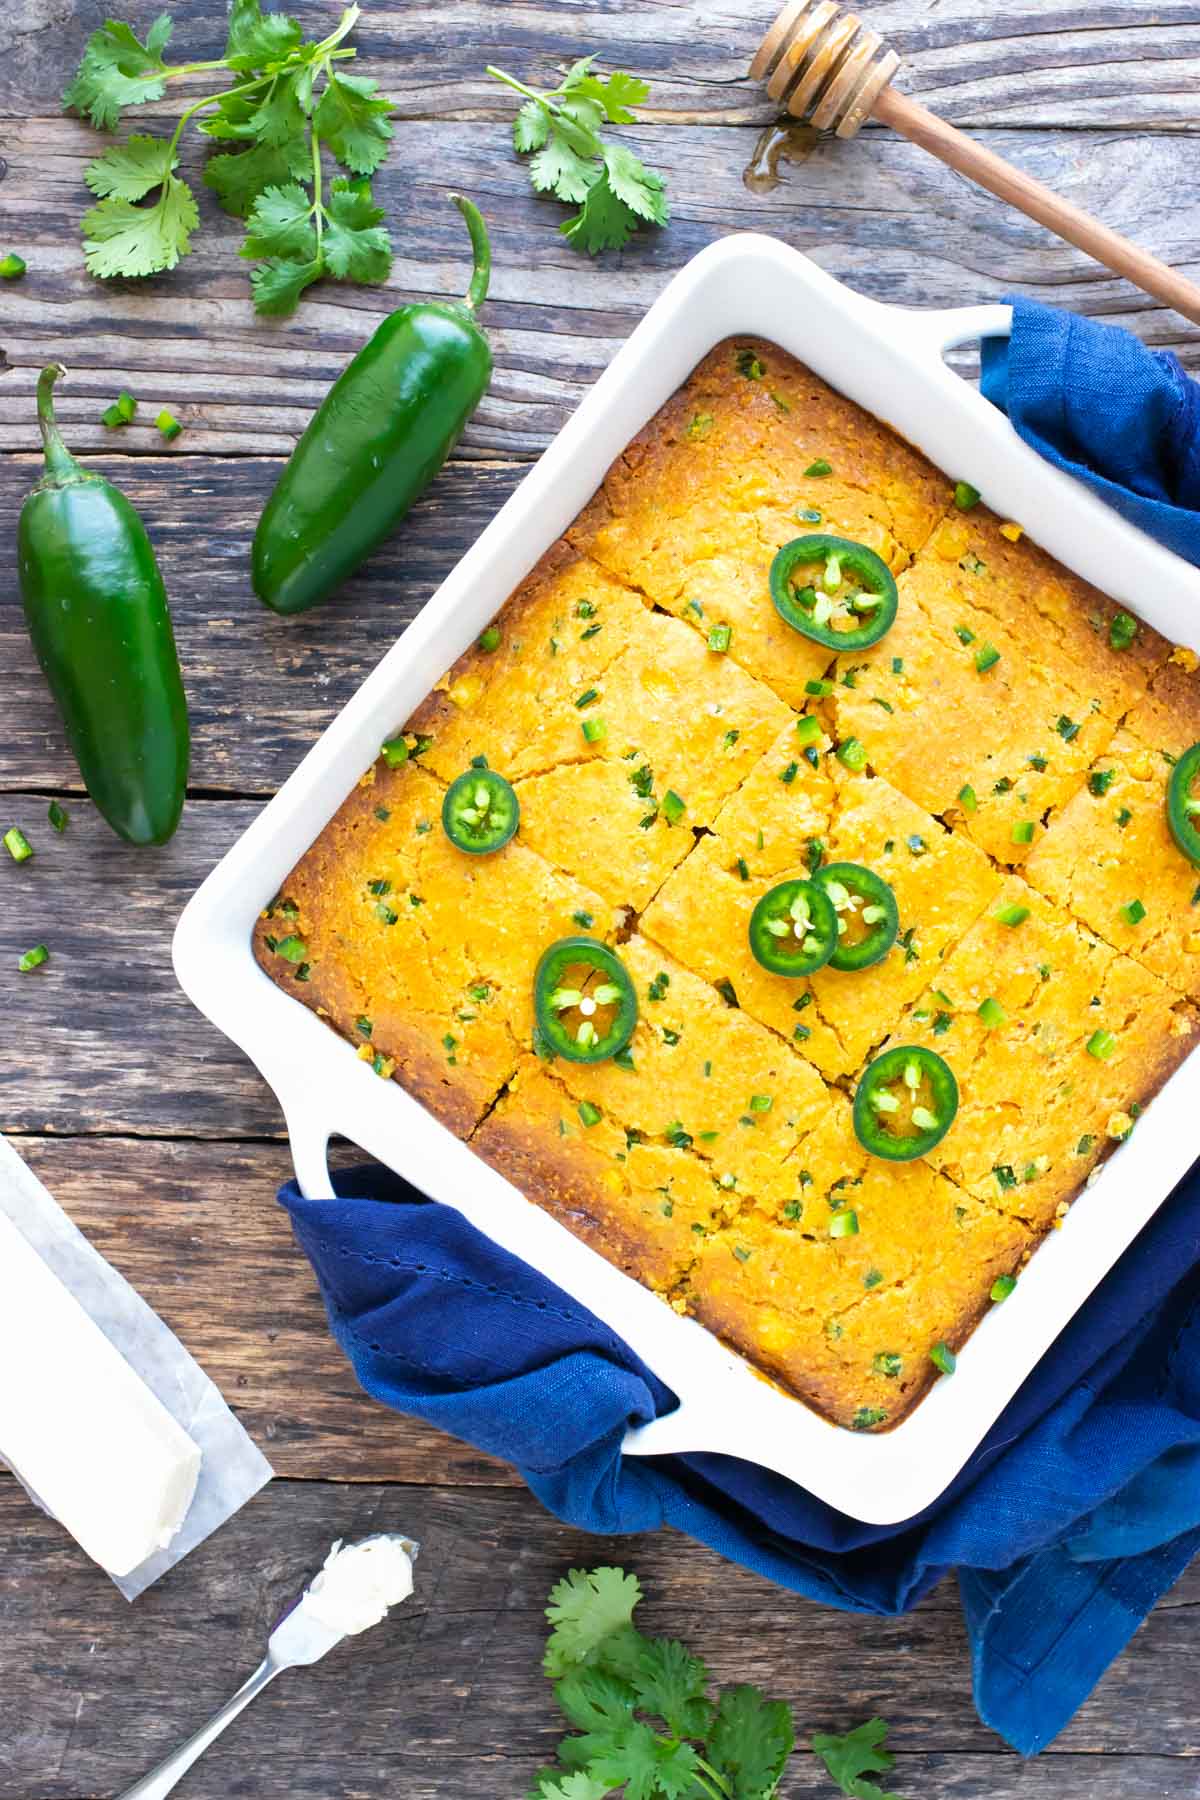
point(786, 818)
point(753, 451)
point(641, 1204)
point(416, 951)
point(1109, 857)
point(1034, 1099)
point(848, 1319)
point(515, 704)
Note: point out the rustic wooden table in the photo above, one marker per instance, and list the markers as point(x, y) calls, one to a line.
point(164, 1144)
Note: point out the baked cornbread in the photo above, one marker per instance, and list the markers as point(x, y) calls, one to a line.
point(679, 754)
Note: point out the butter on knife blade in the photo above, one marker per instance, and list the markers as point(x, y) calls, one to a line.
point(79, 1426)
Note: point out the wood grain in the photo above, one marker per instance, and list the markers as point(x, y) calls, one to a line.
point(447, 1698)
point(195, 1228)
point(260, 688)
point(1035, 62)
point(876, 212)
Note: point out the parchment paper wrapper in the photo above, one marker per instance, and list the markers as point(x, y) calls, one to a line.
point(232, 1468)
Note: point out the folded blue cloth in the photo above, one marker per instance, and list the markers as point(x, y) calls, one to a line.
point(1079, 1509)
point(1081, 1506)
point(1093, 400)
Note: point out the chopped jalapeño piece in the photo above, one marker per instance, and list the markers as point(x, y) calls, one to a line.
point(1183, 806)
point(867, 916)
point(584, 1001)
point(793, 929)
point(480, 812)
point(834, 591)
point(905, 1103)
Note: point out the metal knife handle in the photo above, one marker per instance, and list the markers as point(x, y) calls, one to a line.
point(161, 1780)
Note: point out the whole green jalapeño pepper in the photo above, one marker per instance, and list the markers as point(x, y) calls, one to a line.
point(97, 613)
point(376, 441)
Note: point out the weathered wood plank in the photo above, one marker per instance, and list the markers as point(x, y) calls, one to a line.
point(101, 1038)
point(448, 1697)
point(1103, 62)
point(195, 1228)
point(876, 212)
point(260, 688)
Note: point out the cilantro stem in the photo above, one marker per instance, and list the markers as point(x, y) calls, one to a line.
point(199, 105)
point(169, 72)
point(518, 86)
point(318, 213)
point(722, 1790)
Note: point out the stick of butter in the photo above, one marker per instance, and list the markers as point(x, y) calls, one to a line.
point(82, 1431)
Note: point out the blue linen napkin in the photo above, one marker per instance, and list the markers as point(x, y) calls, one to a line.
point(1079, 1509)
point(1082, 1504)
point(1093, 400)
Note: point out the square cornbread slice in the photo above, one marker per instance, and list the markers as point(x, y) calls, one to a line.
point(1003, 661)
point(704, 1076)
point(1109, 857)
point(675, 729)
point(421, 956)
point(1083, 1039)
point(511, 696)
point(786, 819)
point(643, 1204)
point(847, 1318)
point(754, 450)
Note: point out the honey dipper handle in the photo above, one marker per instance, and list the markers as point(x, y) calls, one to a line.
point(1029, 196)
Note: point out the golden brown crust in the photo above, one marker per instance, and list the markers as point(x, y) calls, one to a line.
point(710, 1163)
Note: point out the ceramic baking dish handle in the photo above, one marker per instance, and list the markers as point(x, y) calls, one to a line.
point(309, 1137)
point(936, 332)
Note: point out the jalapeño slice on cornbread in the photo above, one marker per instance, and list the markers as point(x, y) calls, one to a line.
point(868, 921)
point(793, 928)
point(480, 812)
point(585, 1003)
point(905, 1103)
point(838, 593)
point(1183, 803)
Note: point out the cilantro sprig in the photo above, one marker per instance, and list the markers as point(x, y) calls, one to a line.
point(560, 130)
point(289, 102)
point(852, 1757)
point(642, 1716)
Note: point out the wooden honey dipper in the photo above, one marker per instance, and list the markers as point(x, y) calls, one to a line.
point(831, 70)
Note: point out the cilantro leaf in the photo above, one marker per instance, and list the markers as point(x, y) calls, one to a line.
point(593, 1700)
point(585, 1608)
point(603, 222)
point(531, 127)
point(356, 247)
point(279, 116)
point(278, 284)
point(239, 177)
point(353, 122)
point(257, 38)
point(118, 70)
point(120, 238)
point(648, 1765)
point(750, 1742)
point(643, 192)
point(131, 169)
point(858, 1753)
point(552, 1784)
point(281, 224)
point(671, 1683)
point(616, 96)
point(558, 169)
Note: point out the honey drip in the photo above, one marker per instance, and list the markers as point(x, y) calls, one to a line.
point(790, 142)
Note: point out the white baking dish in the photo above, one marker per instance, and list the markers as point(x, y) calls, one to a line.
point(890, 361)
